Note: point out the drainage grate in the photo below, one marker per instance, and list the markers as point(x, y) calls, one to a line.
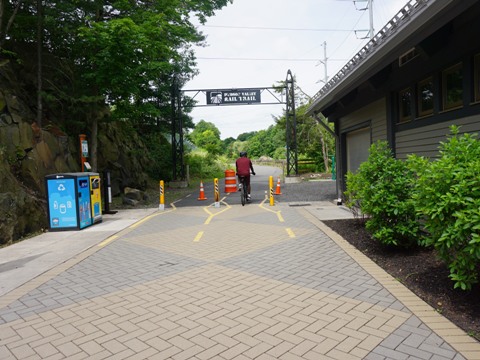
point(299, 204)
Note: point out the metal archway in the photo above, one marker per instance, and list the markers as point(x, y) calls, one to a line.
point(291, 121)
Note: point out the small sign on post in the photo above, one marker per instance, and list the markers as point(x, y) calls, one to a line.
point(83, 151)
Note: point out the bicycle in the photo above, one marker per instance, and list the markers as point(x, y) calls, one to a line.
point(244, 192)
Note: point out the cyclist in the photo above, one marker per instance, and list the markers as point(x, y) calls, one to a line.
point(243, 166)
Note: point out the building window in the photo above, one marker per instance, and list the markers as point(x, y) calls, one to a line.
point(452, 87)
point(476, 72)
point(425, 97)
point(405, 105)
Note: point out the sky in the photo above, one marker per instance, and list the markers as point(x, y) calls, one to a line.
point(253, 43)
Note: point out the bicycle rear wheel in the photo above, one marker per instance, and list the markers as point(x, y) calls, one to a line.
point(243, 194)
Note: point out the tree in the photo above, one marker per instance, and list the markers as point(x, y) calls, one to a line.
point(313, 140)
point(8, 12)
point(39, 62)
point(116, 55)
point(201, 127)
point(207, 136)
point(246, 136)
point(228, 147)
point(266, 142)
point(210, 142)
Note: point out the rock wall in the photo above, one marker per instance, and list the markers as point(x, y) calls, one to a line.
point(28, 153)
point(123, 153)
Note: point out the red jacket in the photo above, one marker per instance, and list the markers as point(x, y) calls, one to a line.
point(244, 165)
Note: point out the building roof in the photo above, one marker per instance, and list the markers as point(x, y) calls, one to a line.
point(416, 20)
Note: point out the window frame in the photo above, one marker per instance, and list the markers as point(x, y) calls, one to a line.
point(476, 78)
point(421, 111)
point(403, 118)
point(445, 73)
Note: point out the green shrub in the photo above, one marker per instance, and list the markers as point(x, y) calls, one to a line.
point(351, 195)
point(382, 190)
point(448, 196)
point(204, 166)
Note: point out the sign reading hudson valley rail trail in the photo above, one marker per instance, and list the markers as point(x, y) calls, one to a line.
point(232, 97)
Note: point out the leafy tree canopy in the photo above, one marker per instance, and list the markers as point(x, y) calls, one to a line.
point(246, 136)
point(207, 136)
point(119, 53)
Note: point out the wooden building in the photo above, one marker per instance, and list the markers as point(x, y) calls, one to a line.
point(416, 77)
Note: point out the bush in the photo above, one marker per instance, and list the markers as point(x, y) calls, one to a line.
point(351, 195)
point(204, 166)
point(382, 190)
point(448, 196)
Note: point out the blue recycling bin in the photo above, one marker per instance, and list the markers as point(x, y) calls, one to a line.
point(69, 201)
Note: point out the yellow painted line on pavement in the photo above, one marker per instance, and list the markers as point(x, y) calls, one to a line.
point(212, 215)
point(198, 237)
point(151, 216)
point(105, 242)
point(290, 232)
point(278, 213)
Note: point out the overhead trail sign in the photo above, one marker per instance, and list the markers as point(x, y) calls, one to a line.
point(247, 96)
point(232, 97)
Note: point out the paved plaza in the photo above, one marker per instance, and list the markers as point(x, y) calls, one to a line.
point(205, 282)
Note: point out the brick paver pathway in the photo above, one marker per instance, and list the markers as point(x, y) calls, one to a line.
point(253, 282)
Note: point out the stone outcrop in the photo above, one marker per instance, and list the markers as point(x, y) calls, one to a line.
point(28, 153)
point(124, 155)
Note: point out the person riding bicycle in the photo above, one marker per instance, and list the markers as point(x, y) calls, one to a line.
point(243, 166)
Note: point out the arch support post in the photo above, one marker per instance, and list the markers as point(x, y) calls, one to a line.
point(177, 133)
point(291, 126)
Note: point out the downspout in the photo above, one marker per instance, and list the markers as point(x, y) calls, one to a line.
point(315, 116)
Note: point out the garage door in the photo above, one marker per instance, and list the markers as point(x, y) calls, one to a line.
point(358, 144)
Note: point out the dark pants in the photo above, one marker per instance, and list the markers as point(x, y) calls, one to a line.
point(247, 181)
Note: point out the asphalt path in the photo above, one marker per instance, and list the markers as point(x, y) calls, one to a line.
point(259, 189)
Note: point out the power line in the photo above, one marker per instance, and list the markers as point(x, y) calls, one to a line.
point(262, 59)
point(272, 28)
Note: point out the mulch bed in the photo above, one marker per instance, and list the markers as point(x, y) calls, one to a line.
point(420, 270)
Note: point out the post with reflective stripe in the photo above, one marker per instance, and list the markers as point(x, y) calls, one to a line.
point(217, 193)
point(161, 206)
point(272, 201)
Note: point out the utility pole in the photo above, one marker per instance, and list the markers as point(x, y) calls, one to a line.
point(324, 62)
point(370, 13)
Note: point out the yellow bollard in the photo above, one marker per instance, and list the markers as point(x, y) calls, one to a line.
point(272, 201)
point(217, 193)
point(161, 206)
